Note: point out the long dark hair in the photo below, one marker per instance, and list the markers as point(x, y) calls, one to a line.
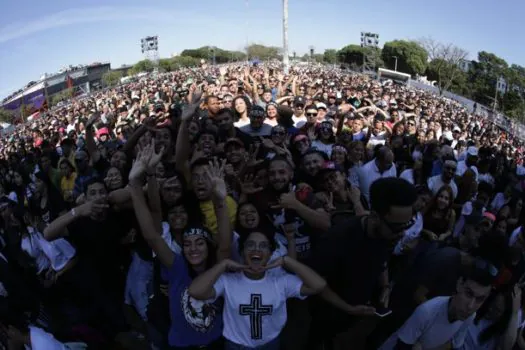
point(498, 327)
point(248, 106)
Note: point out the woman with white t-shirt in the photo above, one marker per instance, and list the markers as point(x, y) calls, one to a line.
point(255, 295)
point(496, 323)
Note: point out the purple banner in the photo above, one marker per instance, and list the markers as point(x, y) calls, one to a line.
point(34, 100)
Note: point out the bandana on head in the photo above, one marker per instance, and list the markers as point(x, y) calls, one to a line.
point(196, 231)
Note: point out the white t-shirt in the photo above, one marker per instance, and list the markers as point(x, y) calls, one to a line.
point(41, 340)
point(55, 254)
point(299, 122)
point(499, 201)
point(255, 310)
point(408, 174)
point(462, 168)
point(429, 327)
point(472, 337)
point(436, 182)
point(514, 236)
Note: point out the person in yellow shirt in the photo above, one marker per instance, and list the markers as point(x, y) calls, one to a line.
point(202, 187)
point(67, 170)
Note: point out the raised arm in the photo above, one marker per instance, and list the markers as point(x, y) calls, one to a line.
point(182, 145)
point(90, 138)
point(58, 227)
point(153, 188)
point(145, 220)
point(317, 218)
point(215, 175)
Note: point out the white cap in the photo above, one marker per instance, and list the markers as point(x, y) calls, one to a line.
point(321, 105)
point(70, 128)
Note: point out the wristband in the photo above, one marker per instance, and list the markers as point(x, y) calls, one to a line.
point(73, 212)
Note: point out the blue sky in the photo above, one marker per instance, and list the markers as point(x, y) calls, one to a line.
point(38, 37)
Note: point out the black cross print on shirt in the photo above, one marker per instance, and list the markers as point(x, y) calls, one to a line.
point(256, 310)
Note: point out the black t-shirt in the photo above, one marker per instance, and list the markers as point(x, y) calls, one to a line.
point(305, 234)
point(345, 210)
point(352, 262)
point(52, 209)
point(437, 269)
point(245, 138)
point(99, 241)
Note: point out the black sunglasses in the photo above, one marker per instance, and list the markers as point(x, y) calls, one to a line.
point(397, 227)
point(311, 114)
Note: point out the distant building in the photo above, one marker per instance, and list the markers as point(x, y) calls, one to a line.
point(501, 85)
point(81, 78)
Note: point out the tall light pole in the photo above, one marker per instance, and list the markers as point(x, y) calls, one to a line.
point(286, 59)
point(395, 64)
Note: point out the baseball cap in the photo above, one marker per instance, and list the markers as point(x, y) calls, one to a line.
point(299, 100)
point(102, 131)
point(321, 105)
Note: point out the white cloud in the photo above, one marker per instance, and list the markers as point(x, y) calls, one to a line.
point(84, 15)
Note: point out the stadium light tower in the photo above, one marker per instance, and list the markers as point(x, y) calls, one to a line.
point(369, 40)
point(286, 59)
point(150, 49)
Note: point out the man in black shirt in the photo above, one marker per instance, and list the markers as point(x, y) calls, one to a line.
point(353, 257)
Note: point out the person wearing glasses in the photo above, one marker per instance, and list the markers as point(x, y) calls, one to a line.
point(446, 177)
point(443, 321)
point(255, 292)
point(228, 101)
point(355, 265)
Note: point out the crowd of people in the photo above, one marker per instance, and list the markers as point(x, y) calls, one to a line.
point(239, 207)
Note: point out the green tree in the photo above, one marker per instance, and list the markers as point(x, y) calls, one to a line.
point(411, 56)
point(207, 53)
point(484, 77)
point(263, 52)
point(111, 78)
point(141, 66)
point(184, 61)
point(5, 116)
point(351, 54)
point(330, 56)
point(444, 66)
point(63, 95)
